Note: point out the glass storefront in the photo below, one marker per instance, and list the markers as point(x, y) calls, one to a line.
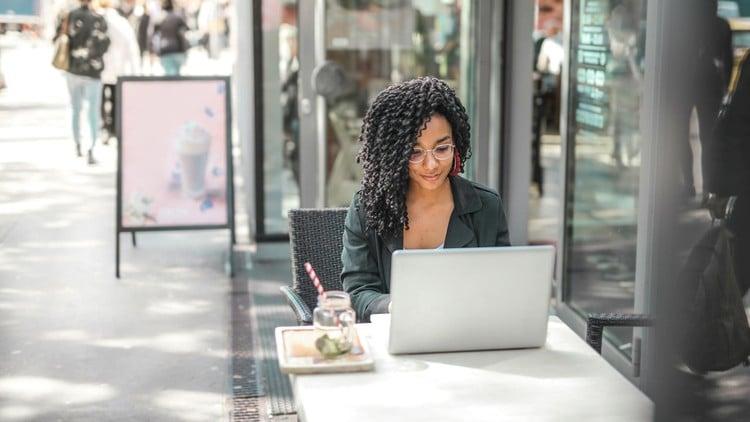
point(603, 157)
point(365, 46)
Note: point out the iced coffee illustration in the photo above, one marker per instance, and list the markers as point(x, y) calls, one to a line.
point(192, 144)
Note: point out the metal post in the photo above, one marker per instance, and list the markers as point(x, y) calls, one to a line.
point(117, 253)
point(231, 251)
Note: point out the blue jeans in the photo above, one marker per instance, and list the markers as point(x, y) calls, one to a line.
point(172, 63)
point(82, 88)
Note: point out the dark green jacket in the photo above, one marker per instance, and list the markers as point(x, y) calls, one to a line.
point(478, 220)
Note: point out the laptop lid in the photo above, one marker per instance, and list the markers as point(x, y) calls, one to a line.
point(470, 298)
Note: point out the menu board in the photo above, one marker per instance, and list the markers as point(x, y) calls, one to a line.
point(174, 163)
point(607, 46)
point(590, 62)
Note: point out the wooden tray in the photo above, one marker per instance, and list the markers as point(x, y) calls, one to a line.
point(295, 347)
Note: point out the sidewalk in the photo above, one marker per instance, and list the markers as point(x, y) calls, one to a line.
point(77, 343)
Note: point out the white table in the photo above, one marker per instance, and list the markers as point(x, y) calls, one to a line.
point(563, 381)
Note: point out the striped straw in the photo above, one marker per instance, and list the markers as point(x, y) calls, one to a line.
point(315, 279)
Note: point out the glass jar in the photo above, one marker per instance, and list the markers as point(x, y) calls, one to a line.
point(333, 321)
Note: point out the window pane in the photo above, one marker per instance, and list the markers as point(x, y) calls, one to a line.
point(280, 116)
point(374, 44)
point(549, 56)
point(606, 74)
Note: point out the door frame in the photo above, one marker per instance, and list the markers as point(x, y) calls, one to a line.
point(312, 107)
point(511, 176)
point(667, 120)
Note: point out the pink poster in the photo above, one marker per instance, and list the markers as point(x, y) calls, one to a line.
point(173, 153)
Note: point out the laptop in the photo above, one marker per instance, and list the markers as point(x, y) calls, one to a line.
point(446, 300)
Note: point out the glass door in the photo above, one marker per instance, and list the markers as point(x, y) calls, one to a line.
point(603, 160)
point(277, 123)
point(357, 48)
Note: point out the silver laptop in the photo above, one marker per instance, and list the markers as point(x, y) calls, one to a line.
point(446, 300)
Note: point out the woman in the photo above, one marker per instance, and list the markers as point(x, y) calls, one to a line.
point(415, 140)
point(87, 32)
point(122, 58)
point(169, 42)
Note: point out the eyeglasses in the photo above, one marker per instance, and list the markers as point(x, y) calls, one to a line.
point(440, 152)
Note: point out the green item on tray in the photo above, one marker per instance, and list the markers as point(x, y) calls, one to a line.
point(328, 347)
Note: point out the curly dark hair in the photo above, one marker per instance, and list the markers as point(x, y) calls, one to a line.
point(390, 129)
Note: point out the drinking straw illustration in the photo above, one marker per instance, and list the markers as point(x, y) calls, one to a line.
point(315, 279)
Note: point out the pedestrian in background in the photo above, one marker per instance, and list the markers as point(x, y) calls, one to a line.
point(122, 58)
point(87, 32)
point(168, 41)
point(212, 24)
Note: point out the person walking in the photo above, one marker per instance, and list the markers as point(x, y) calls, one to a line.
point(88, 41)
point(168, 40)
point(122, 58)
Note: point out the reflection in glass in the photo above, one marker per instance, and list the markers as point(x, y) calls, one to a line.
point(280, 116)
point(606, 73)
point(549, 55)
point(371, 44)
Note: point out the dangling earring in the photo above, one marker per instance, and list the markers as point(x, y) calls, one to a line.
point(456, 164)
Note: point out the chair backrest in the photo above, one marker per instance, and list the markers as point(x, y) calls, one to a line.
point(315, 236)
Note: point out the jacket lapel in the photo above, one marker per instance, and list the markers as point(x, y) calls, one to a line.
point(394, 243)
point(459, 234)
point(465, 201)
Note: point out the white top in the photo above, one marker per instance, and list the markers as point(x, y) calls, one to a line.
point(565, 380)
point(123, 56)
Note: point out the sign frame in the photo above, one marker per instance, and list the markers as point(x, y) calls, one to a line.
point(229, 221)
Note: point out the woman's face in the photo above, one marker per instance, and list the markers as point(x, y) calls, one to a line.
point(431, 173)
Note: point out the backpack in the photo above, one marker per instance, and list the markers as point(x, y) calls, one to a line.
point(717, 334)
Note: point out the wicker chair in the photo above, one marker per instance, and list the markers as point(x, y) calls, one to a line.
point(595, 324)
point(315, 236)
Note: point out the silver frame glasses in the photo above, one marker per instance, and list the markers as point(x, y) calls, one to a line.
point(432, 151)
